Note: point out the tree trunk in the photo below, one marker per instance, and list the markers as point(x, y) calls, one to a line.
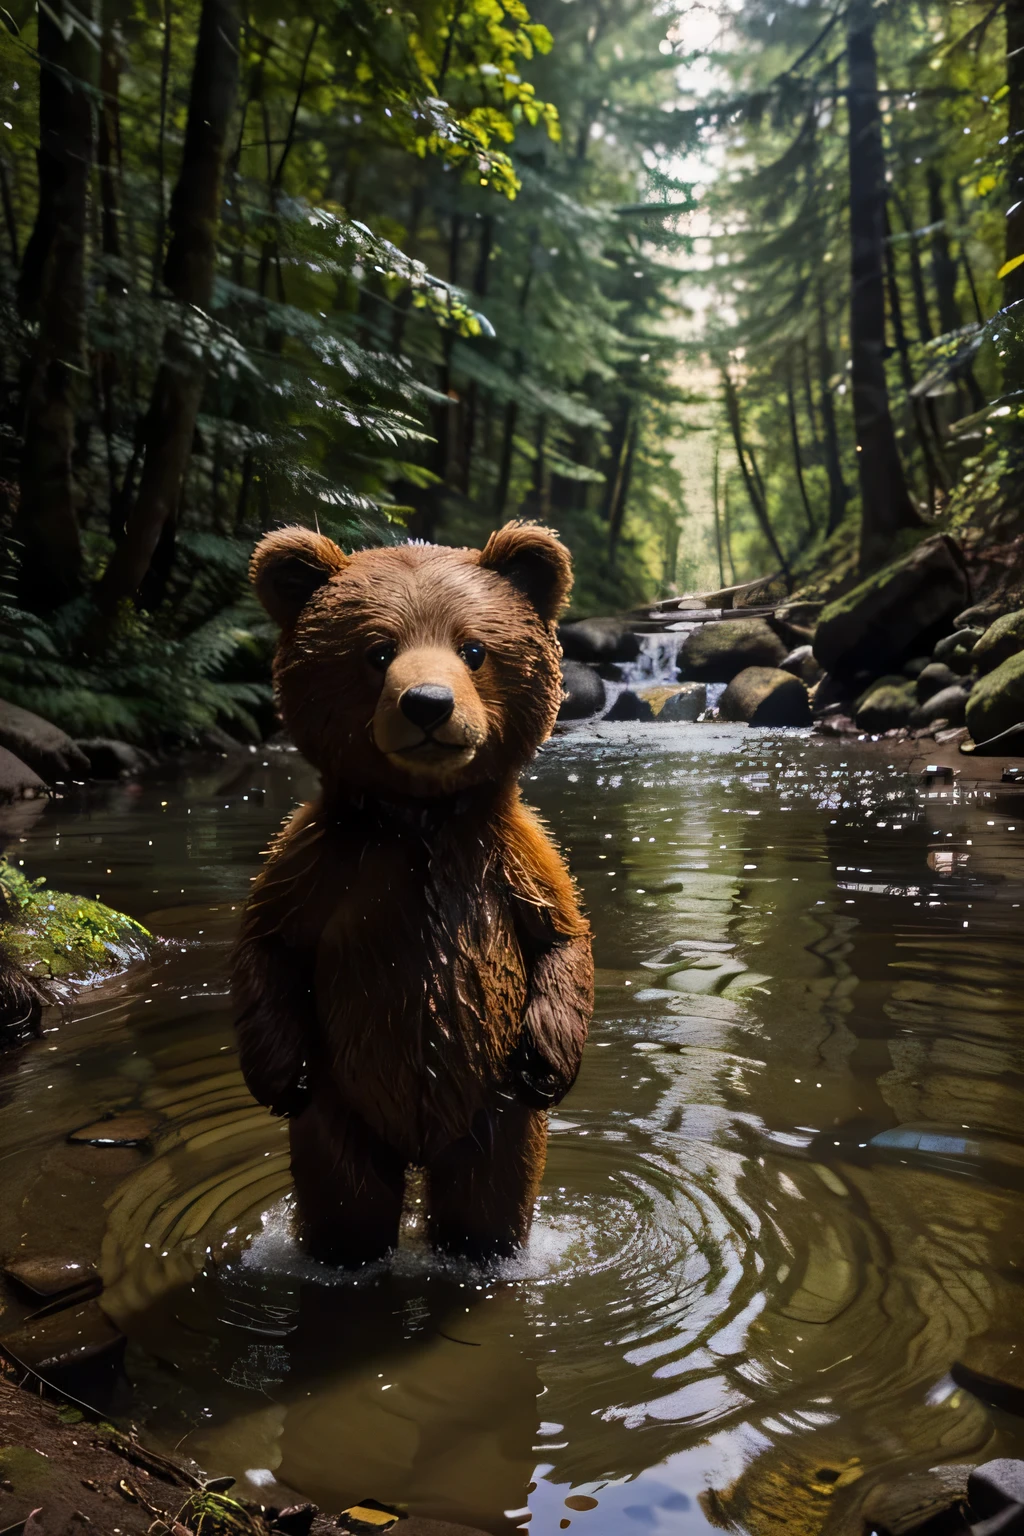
point(925, 332)
point(623, 480)
point(188, 274)
point(933, 471)
point(718, 521)
point(52, 291)
point(838, 494)
point(757, 502)
point(109, 162)
point(798, 463)
point(886, 508)
point(1013, 285)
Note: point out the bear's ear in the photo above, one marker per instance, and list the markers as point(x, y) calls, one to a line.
point(288, 566)
point(535, 561)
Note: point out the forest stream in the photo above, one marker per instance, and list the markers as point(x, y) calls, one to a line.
point(784, 1198)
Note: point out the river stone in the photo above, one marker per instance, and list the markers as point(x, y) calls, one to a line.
point(630, 706)
point(915, 666)
point(995, 1486)
point(1003, 639)
point(599, 640)
point(953, 648)
point(949, 704)
point(688, 703)
point(929, 1502)
point(48, 1276)
point(933, 678)
point(110, 759)
point(584, 691)
point(802, 664)
point(66, 1341)
point(980, 616)
point(128, 1130)
point(886, 708)
point(897, 613)
point(997, 701)
point(44, 747)
point(17, 780)
point(718, 652)
point(766, 696)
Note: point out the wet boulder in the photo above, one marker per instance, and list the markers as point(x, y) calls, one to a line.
point(46, 749)
point(599, 640)
point(949, 704)
point(630, 706)
point(766, 696)
point(996, 1486)
point(802, 664)
point(109, 759)
point(897, 613)
point(718, 652)
point(686, 703)
point(933, 678)
point(886, 708)
point(1003, 639)
point(17, 780)
point(584, 691)
point(997, 701)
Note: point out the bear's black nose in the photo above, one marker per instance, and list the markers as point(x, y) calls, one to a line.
point(427, 706)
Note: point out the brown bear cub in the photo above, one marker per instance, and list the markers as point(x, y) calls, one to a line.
point(414, 979)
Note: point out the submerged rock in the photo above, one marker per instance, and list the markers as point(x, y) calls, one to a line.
point(584, 691)
point(931, 1503)
point(991, 1365)
point(67, 1343)
point(599, 640)
point(997, 701)
point(1003, 639)
point(47, 1277)
point(897, 613)
point(766, 696)
point(886, 708)
point(718, 652)
point(44, 747)
point(996, 1486)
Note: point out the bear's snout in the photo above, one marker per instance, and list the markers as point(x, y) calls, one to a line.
point(430, 720)
point(428, 705)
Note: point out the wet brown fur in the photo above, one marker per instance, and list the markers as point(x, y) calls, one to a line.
point(414, 979)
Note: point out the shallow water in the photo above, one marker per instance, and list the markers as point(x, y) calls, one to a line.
point(786, 1190)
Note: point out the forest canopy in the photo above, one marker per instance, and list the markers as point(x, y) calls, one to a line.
point(710, 289)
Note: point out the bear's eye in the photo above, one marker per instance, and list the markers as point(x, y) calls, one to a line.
point(381, 655)
point(473, 653)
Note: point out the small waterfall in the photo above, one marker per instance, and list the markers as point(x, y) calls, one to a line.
point(656, 663)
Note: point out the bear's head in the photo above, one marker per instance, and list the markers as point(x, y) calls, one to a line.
point(416, 669)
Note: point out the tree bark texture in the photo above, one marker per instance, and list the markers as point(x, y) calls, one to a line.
point(886, 507)
point(751, 480)
point(188, 274)
point(838, 494)
point(52, 292)
point(1013, 284)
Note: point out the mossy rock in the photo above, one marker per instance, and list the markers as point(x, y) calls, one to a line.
point(61, 937)
point(997, 701)
point(1003, 639)
point(897, 613)
point(886, 708)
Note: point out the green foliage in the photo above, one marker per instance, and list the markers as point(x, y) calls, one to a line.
point(60, 937)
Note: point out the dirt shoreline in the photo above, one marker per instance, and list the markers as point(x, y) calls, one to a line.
point(65, 1473)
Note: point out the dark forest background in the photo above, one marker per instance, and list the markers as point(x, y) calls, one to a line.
point(411, 270)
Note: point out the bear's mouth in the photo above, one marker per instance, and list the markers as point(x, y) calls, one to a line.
point(432, 752)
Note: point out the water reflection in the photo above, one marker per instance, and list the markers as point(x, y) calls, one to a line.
point(785, 1192)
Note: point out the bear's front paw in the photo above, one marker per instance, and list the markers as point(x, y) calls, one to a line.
point(294, 1100)
point(534, 1081)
